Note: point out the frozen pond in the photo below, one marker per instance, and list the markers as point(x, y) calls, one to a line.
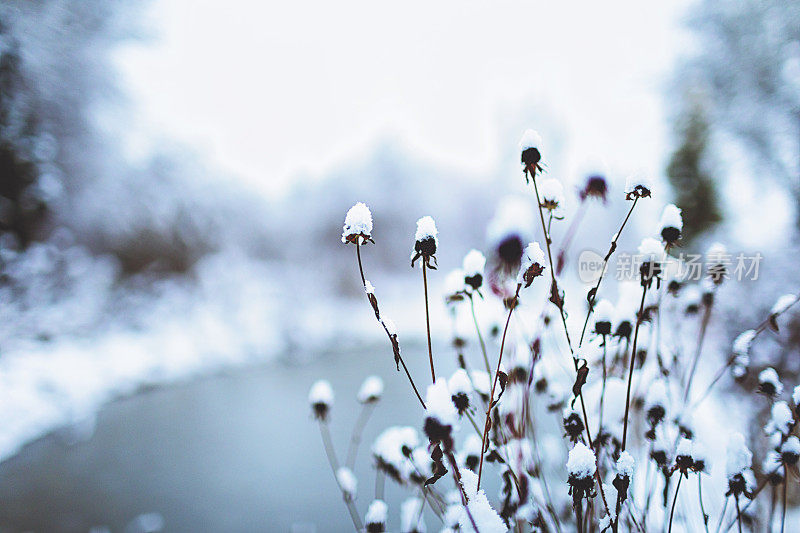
point(231, 452)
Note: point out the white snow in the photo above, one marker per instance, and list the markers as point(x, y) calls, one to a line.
point(439, 403)
point(626, 464)
point(513, 216)
point(481, 382)
point(551, 192)
point(454, 282)
point(684, 448)
point(321, 393)
point(426, 228)
point(741, 346)
point(347, 481)
point(780, 419)
point(783, 303)
point(459, 382)
point(390, 325)
point(770, 377)
point(411, 517)
point(792, 445)
point(390, 443)
point(486, 518)
point(796, 396)
point(671, 218)
point(371, 390)
point(530, 139)
point(369, 288)
point(656, 395)
point(651, 250)
point(532, 255)
point(474, 263)
point(699, 454)
point(718, 253)
point(376, 513)
point(603, 311)
point(739, 455)
point(472, 445)
point(358, 221)
point(581, 462)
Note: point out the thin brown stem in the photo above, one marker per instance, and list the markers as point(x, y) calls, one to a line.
point(512, 306)
point(480, 336)
point(674, 501)
point(738, 513)
point(596, 288)
point(428, 320)
point(630, 370)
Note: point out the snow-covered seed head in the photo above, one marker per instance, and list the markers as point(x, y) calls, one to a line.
point(780, 420)
point(652, 255)
point(347, 482)
point(637, 186)
point(790, 451)
point(625, 465)
point(718, 259)
point(581, 466)
point(460, 387)
point(411, 517)
point(480, 380)
point(683, 455)
point(659, 453)
point(769, 384)
point(357, 227)
point(595, 187)
point(441, 415)
point(508, 231)
point(530, 147)
point(655, 406)
point(573, 424)
point(603, 315)
point(371, 390)
point(796, 399)
point(738, 464)
point(551, 194)
point(454, 287)
point(375, 519)
point(473, 266)
point(532, 264)
point(671, 224)
point(472, 451)
point(426, 241)
point(320, 397)
point(392, 448)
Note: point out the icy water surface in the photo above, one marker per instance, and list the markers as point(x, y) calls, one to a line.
point(233, 452)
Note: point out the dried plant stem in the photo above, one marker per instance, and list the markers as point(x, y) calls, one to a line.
point(358, 430)
point(386, 329)
point(512, 306)
point(557, 300)
point(630, 368)
point(698, 350)
point(738, 513)
point(785, 484)
point(480, 336)
point(700, 497)
point(428, 321)
point(331, 455)
point(674, 501)
point(611, 249)
point(603, 387)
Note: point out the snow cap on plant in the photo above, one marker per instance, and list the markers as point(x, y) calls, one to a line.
point(581, 466)
point(460, 387)
point(718, 260)
point(454, 287)
point(320, 397)
point(738, 464)
point(780, 420)
point(603, 315)
point(790, 451)
point(347, 482)
point(486, 518)
point(655, 406)
point(532, 264)
point(652, 255)
point(375, 519)
point(481, 383)
point(699, 458)
point(393, 448)
point(357, 227)
point(426, 241)
point(671, 224)
point(371, 390)
point(411, 517)
point(530, 147)
point(551, 194)
point(440, 415)
point(637, 186)
point(769, 383)
point(508, 231)
point(683, 456)
point(473, 267)
point(472, 451)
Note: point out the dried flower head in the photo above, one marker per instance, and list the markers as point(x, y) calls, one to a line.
point(790, 451)
point(320, 397)
point(371, 390)
point(652, 255)
point(603, 315)
point(460, 387)
point(718, 260)
point(532, 264)
point(671, 225)
point(357, 227)
point(637, 186)
point(595, 187)
point(425, 242)
point(551, 194)
point(375, 519)
point(440, 414)
point(683, 456)
point(581, 466)
point(530, 147)
point(573, 424)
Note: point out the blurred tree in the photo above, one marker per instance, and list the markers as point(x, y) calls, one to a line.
point(748, 63)
point(695, 190)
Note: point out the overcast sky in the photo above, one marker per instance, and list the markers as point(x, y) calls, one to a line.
point(273, 90)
